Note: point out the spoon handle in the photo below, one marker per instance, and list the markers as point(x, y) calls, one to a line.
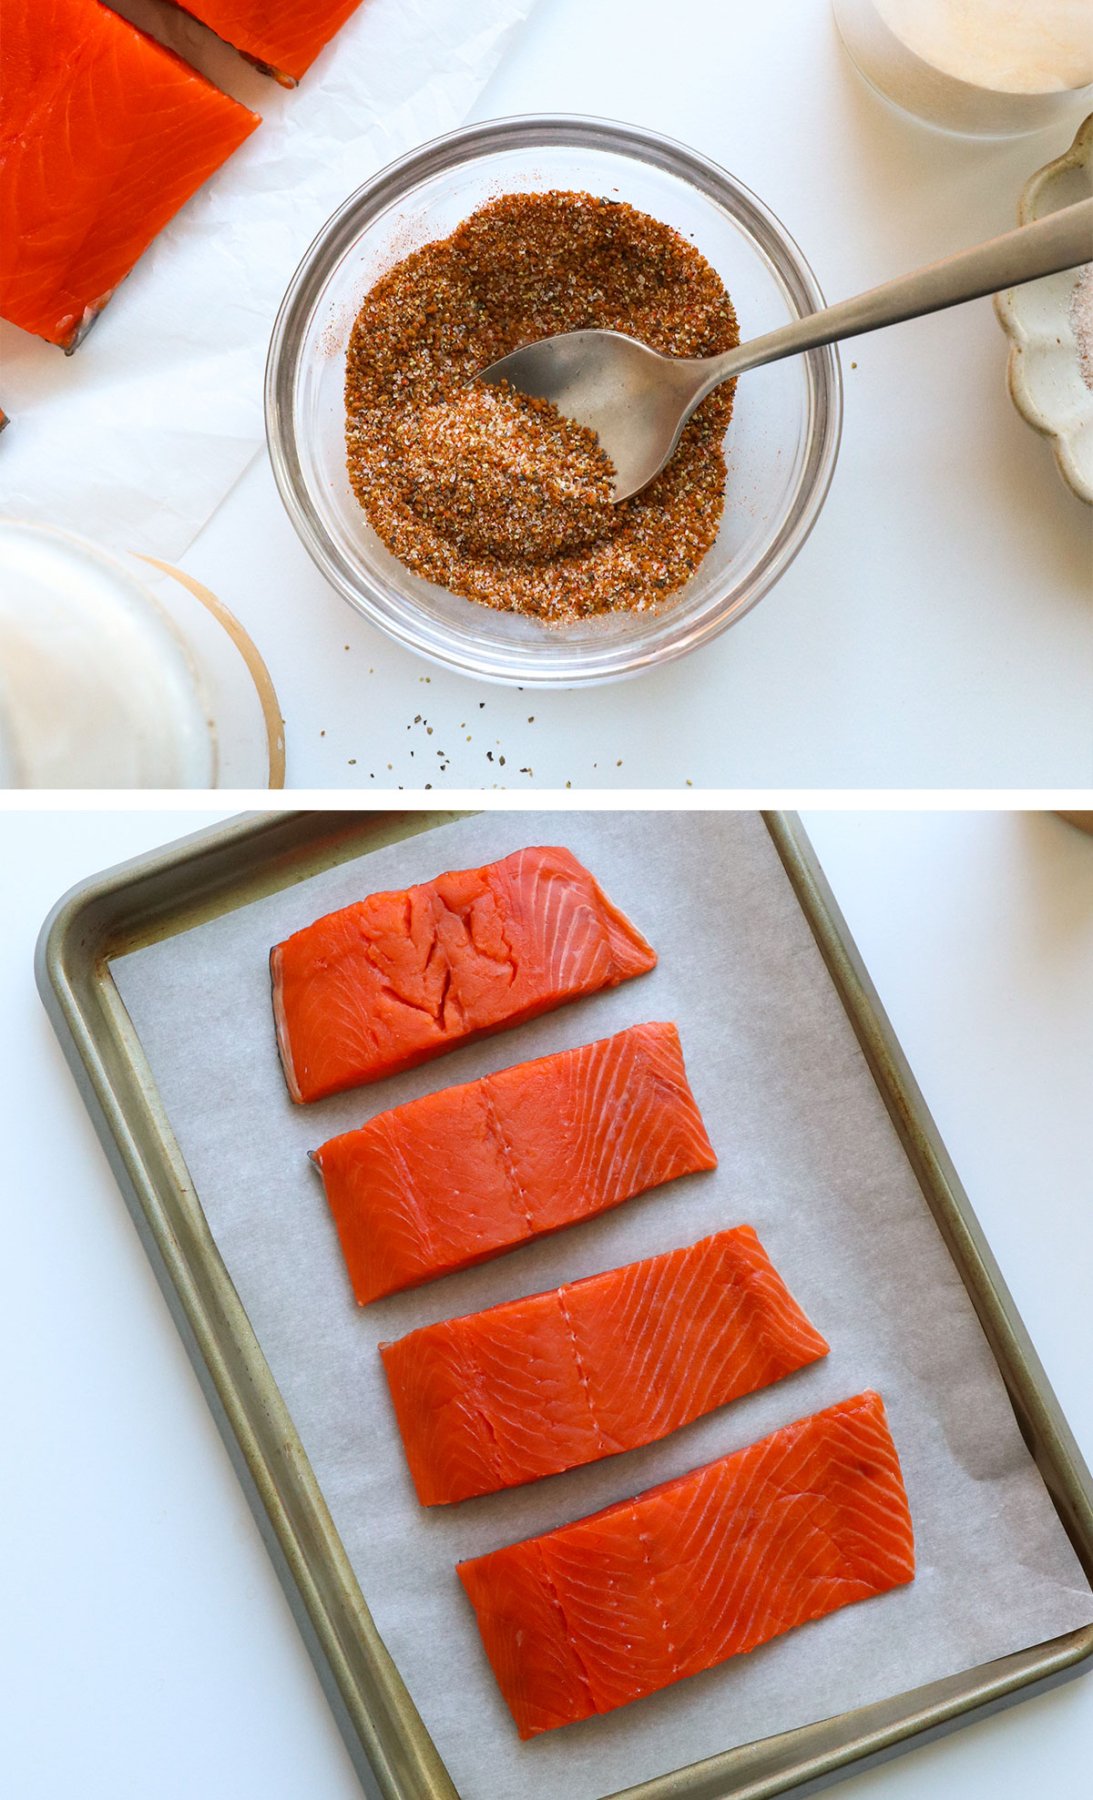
point(1062, 240)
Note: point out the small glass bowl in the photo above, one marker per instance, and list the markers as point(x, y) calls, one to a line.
point(781, 446)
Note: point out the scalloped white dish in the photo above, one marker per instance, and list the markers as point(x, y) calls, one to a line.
point(1046, 378)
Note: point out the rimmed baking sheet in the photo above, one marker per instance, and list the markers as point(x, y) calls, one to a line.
point(809, 1155)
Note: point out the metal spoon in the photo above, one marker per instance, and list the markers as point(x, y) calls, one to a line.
point(638, 401)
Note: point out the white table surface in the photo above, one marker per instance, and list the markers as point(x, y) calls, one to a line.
point(148, 1652)
point(937, 629)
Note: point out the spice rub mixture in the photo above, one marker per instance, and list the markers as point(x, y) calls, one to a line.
point(496, 496)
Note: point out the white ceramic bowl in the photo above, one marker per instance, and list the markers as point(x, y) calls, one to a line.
point(1045, 371)
point(929, 57)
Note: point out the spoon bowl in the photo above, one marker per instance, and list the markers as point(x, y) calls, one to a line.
point(638, 401)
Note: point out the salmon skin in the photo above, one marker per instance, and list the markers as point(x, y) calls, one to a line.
point(104, 136)
point(398, 978)
point(634, 1598)
point(597, 1366)
point(462, 1175)
point(283, 37)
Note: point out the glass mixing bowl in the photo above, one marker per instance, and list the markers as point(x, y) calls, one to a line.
point(781, 446)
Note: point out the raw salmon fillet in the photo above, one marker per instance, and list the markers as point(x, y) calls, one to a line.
point(398, 978)
point(282, 36)
point(591, 1368)
point(103, 136)
point(464, 1174)
point(627, 1601)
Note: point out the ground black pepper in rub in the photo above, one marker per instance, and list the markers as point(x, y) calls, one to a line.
point(496, 496)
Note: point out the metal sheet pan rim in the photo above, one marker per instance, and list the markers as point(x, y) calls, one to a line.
point(140, 900)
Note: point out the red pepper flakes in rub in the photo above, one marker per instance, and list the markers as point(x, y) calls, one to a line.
point(498, 497)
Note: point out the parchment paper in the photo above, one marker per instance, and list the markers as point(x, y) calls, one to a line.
point(137, 437)
point(808, 1156)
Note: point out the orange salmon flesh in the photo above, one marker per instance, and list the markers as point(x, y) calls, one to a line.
point(104, 136)
point(464, 1174)
point(598, 1366)
point(282, 36)
point(645, 1593)
point(401, 977)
